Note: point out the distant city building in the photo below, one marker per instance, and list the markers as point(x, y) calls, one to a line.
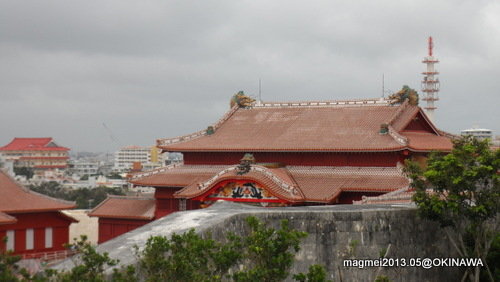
point(479, 133)
point(85, 167)
point(146, 156)
point(37, 153)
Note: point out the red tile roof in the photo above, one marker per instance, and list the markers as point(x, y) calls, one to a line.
point(126, 208)
point(32, 144)
point(17, 199)
point(422, 141)
point(312, 183)
point(6, 219)
point(311, 126)
point(400, 196)
point(324, 184)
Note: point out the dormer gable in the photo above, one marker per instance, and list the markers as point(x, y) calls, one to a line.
point(419, 124)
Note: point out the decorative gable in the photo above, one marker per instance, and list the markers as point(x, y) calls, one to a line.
point(241, 190)
point(419, 123)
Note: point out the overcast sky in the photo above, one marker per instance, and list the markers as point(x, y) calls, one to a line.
point(155, 69)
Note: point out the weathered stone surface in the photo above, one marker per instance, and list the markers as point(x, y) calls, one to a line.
point(335, 233)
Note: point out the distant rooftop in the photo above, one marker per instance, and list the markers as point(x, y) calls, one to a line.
point(33, 144)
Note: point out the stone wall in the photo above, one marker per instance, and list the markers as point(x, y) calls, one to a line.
point(367, 233)
point(335, 233)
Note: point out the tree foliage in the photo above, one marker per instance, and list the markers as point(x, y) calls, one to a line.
point(266, 254)
point(188, 257)
point(9, 271)
point(89, 263)
point(26, 171)
point(461, 191)
point(85, 197)
point(269, 252)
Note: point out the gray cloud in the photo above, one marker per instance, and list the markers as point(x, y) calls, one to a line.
point(154, 69)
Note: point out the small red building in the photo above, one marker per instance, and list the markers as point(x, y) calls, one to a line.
point(118, 215)
point(33, 223)
point(297, 153)
point(37, 153)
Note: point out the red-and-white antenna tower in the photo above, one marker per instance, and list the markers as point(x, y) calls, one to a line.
point(430, 84)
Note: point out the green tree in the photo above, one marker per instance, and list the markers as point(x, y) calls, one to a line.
point(188, 257)
point(316, 273)
point(265, 253)
point(269, 253)
point(26, 171)
point(89, 264)
point(85, 197)
point(461, 191)
point(9, 271)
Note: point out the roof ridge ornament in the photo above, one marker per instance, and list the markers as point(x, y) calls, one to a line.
point(245, 164)
point(406, 93)
point(241, 100)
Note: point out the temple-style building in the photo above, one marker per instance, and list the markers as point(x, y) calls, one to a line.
point(33, 223)
point(36, 153)
point(296, 153)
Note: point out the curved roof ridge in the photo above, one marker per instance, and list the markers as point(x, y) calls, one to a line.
point(257, 168)
point(290, 188)
point(188, 137)
point(397, 137)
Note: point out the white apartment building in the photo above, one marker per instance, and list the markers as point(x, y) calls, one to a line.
point(126, 156)
point(479, 133)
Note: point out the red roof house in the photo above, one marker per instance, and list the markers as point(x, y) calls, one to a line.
point(296, 153)
point(118, 215)
point(33, 223)
point(38, 153)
